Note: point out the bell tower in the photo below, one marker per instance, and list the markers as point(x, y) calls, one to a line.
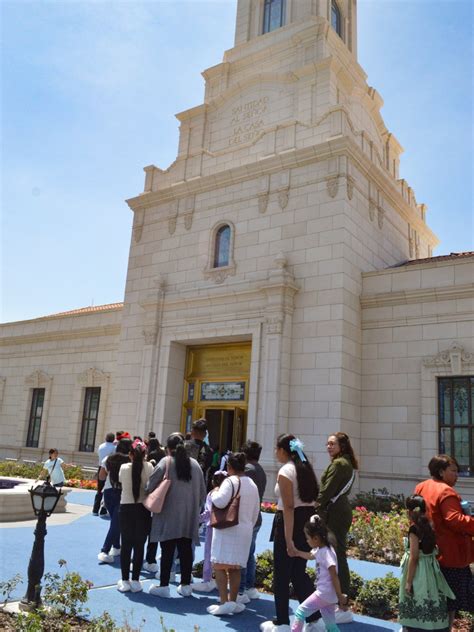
point(259, 17)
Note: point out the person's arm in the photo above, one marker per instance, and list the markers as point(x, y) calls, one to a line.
point(342, 599)
point(156, 476)
point(102, 473)
point(221, 497)
point(413, 562)
point(454, 517)
point(287, 498)
point(306, 555)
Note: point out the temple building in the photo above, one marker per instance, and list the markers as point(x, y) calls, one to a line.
point(281, 278)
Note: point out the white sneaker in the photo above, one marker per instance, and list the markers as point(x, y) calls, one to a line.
point(172, 577)
point(160, 591)
point(113, 551)
point(136, 585)
point(269, 626)
point(184, 591)
point(105, 558)
point(252, 593)
point(123, 585)
point(239, 607)
point(243, 598)
point(205, 586)
point(315, 626)
point(222, 609)
point(344, 616)
point(151, 568)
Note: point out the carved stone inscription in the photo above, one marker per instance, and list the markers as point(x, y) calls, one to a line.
point(247, 120)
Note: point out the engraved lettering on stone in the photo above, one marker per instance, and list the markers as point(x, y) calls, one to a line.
point(332, 184)
point(247, 120)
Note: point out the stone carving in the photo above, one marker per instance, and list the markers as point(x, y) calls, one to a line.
point(372, 209)
point(274, 323)
point(149, 335)
point(380, 216)
point(350, 186)
point(172, 225)
point(411, 247)
point(38, 379)
point(283, 198)
point(263, 202)
point(332, 184)
point(93, 377)
point(138, 222)
point(454, 357)
point(417, 246)
point(188, 221)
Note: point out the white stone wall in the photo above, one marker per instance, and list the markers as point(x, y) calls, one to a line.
point(411, 314)
point(64, 355)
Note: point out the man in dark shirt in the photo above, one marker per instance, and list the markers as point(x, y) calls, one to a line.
point(198, 449)
point(255, 471)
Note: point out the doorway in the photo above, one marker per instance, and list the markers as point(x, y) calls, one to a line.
point(226, 427)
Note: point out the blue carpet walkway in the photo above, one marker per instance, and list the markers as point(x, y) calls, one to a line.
point(79, 543)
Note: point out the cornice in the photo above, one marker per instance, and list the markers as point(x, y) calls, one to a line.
point(401, 321)
point(86, 332)
point(299, 157)
point(424, 295)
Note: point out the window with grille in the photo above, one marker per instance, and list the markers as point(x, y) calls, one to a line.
point(89, 419)
point(456, 423)
point(273, 15)
point(36, 413)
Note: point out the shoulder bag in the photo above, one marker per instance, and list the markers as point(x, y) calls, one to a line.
point(155, 500)
point(227, 516)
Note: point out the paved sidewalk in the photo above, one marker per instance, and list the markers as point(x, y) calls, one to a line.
point(77, 537)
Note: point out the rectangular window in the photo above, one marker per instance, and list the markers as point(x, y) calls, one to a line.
point(36, 412)
point(456, 420)
point(273, 15)
point(89, 419)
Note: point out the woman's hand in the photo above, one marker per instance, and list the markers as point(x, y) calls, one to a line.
point(292, 550)
point(343, 601)
point(409, 588)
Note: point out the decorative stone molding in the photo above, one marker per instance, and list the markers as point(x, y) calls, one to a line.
point(172, 217)
point(283, 197)
point(350, 186)
point(452, 358)
point(219, 275)
point(332, 185)
point(3, 381)
point(172, 225)
point(93, 377)
point(372, 208)
point(411, 244)
point(38, 379)
point(138, 222)
point(188, 204)
point(150, 335)
point(188, 221)
point(263, 202)
point(280, 291)
point(380, 216)
point(274, 323)
point(417, 246)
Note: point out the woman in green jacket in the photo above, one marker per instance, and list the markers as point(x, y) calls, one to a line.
point(332, 503)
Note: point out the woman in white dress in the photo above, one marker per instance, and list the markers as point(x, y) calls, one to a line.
point(230, 547)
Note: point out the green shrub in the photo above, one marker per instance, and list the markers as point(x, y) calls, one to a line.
point(28, 470)
point(198, 569)
point(379, 597)
point(355, 586)
point(264, 571)
point(379, 501)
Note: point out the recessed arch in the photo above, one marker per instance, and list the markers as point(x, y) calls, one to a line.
point(336, 18)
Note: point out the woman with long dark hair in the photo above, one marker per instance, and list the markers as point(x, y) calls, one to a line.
point(296, 490)
point(333, 504)
point(177, 526)
point(134, 517)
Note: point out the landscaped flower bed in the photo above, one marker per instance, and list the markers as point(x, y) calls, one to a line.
point(378, 537)
point(267, 507)
point(81, 483)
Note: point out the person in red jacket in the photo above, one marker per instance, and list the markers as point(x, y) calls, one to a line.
point(454, 530)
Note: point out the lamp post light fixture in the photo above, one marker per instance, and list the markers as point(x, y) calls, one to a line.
point(44, 498)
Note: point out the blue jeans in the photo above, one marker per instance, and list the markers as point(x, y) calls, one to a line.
point(247, 575)
point(112, 504)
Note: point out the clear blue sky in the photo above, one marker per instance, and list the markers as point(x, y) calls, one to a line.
point(89, 90)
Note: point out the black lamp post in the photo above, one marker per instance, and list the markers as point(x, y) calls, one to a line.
point(44, 498)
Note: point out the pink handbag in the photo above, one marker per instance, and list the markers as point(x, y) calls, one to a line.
point(155, 500)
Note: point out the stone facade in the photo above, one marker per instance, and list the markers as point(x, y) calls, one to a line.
point(290, 151)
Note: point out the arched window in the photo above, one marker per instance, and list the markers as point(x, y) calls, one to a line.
point(222, 247)
point(273, 15)
point(336, 21)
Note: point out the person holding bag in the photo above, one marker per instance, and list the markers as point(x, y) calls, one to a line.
point(333, 505)
point(238, 497)
point(176, 526)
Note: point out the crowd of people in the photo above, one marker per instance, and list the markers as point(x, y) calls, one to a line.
point(312, 522)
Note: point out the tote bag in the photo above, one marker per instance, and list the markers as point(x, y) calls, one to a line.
point(227, 516)
point(155, 499)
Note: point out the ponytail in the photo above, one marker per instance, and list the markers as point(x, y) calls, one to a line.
point(308, 488)
point(175, 445)
point(137, 467)
point(417, 508)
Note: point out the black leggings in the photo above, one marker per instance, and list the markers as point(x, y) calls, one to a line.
point(185, 554)
point(288, 569)
point(135, 523)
